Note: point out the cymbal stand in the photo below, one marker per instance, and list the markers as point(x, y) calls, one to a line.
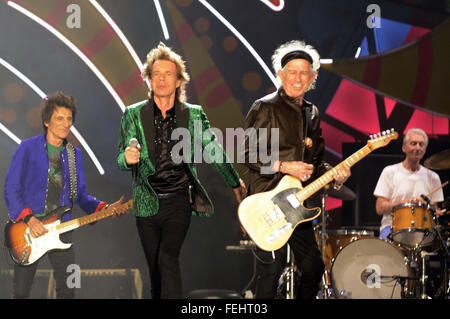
point(326, 291)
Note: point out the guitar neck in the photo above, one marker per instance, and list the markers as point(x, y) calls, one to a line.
point(81, 221)
point(327, 177)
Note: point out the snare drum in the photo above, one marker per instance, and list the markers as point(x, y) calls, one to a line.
point(412, 225)
point(369, 268)
point(339, 238)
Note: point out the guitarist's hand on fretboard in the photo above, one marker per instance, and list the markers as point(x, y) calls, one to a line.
point(342, 173)
point(114, 206)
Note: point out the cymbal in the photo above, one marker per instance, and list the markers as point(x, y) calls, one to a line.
point(344, 193)
point(439, 160)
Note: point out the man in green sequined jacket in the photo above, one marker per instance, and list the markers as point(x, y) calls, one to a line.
point(166, 190)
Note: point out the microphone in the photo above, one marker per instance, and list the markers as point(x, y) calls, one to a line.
point(134, 143)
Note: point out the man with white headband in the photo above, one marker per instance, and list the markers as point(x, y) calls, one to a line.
point(301, 149)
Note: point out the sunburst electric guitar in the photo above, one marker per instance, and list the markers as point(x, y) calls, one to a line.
point(270, 217)
point(26, 249)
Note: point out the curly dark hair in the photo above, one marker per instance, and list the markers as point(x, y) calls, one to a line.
point(162, 52)
point(50, 102)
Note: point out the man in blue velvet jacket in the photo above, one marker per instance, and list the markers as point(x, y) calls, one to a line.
point(37, 183)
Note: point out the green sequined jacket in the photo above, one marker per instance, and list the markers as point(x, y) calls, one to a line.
point(192, 117)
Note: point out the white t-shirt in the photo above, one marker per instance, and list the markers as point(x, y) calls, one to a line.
point(397, 183)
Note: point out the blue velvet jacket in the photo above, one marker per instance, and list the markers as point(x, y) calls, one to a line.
point(26, 181)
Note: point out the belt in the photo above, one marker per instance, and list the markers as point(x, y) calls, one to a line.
point(172, 194)
point(187, 191)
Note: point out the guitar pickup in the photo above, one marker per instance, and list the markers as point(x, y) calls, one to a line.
point(273, 216)
point(269, 220)
point(27, 238)
point(293, 200)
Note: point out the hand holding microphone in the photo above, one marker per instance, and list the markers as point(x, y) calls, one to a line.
point(132, 154)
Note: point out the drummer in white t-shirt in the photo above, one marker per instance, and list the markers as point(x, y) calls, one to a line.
point(404, 182)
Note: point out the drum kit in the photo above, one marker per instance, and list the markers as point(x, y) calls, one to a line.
point(412, 263)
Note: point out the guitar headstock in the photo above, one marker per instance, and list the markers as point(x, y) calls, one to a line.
point(382, 139)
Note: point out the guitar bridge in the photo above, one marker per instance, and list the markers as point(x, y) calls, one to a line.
point(279, 232)
point(24, 257)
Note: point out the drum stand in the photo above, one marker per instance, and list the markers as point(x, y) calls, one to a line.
point(424, 277)
point(445, 280)
point(424, 254)
point(288, 276)
point(446, 257)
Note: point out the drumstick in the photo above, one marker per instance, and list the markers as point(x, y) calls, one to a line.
point(437, 188)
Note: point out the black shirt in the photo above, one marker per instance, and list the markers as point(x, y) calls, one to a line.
point(169, 176)
point(278, 110)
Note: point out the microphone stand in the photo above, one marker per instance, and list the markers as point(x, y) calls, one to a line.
point(402, 280)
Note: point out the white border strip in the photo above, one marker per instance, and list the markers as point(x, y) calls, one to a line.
point(10, 134)
point(122, 37)
point(118, 31)
point(242, 39)
point(73, 48)
point(161, 19)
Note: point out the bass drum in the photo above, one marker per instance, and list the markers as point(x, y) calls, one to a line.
point(369, 268)
point(338, 239)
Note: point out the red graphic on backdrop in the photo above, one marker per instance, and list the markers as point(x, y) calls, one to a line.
point(275, 5)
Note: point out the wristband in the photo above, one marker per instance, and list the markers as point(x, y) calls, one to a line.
point(27, 218)
point(337, 186)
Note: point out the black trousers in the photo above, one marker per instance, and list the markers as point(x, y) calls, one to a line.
point(162, 237)
point(60, 259)
point(307, 258)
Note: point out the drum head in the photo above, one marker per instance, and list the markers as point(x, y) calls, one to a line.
point(413, 237)
point(409, 205)
point(367, 269)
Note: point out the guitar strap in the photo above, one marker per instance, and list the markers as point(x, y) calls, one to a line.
point(72, 171)
point(308, 126)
